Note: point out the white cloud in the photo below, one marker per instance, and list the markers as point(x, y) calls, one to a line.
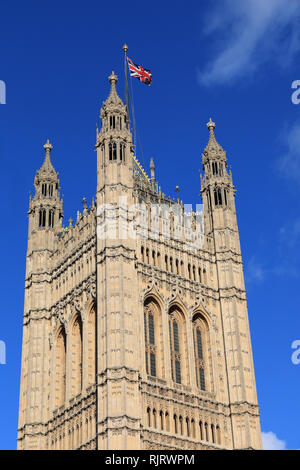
point(247, 33)
point(271, 441)
point(254, 271)
point(289, 163)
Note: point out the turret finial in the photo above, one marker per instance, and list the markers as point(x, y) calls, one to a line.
point(113, 78)
point(125, 48)
point(152, 169)
point(211, 125)
point(48, 147)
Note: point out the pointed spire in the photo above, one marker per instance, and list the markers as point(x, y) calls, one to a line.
point(152, 169)
point(113, 95)
point(47, 165)
point(212, 142)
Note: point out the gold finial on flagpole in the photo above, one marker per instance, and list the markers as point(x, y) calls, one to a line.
point(125, 48)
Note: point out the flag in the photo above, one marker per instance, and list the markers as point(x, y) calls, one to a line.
point(139, 72)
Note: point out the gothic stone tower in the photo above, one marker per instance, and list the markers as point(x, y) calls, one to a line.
point(133, 337)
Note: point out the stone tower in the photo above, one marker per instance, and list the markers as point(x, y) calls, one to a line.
point(135, 332)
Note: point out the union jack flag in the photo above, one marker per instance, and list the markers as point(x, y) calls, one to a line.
point(139, 72)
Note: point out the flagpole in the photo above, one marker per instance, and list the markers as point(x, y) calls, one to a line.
point(125, 49)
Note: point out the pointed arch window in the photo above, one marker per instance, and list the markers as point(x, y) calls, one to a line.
point(42, 218)
point(44, 189)
point(51, 219)
point(112, 122)
point(60, 368)
point(50, 190)
point(122, 152)
point(110, 152)
point(114, 151)
point(150, 347)
point(175, 352)
point(199, 334)
point(215, 168)
point(77, 355)
point(218, 197)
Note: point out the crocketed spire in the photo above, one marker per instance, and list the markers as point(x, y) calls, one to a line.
point(47, 170)
point(212, 142)
point(113, 97)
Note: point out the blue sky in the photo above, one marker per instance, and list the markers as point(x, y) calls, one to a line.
point(232, 60)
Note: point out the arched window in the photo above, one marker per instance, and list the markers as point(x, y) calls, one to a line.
point(218, 197)
point(215, 168)
point(122, 151)
point(154, 418)
point(153, 339)
point(112, 122)
point(187, 427)
point(44, 189)
point(166, 262)
point(42, 218)
point(189, 271)
point(181, 425)
point(201, 431)
point(161, 415)
point(167, 421)
point(149, 417)
point(60, 368)
point(114, 151)
point(91, 339)
point(175, 424)
point(51, 219)
point(181, 269)
point(193, 428)
point(50, 190)
point(142, 253)
point(225, 197)
point(110, 152)
point(212, 427)
point(77, 356)
point(200, 346)
point(175, 352)
point(178, 346)
point(150, 353)
point(206, 432)
point(218, 435)
point(171, 264)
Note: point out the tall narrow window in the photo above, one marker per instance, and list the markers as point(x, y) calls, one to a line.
point(110, 151)
point(42, 218)
point(199, 336)
point(175, 352)
point(175, 424)
point(60, 369)
point(114, 151)
point(51, 219)
point(77, 356)
point(150, 348)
